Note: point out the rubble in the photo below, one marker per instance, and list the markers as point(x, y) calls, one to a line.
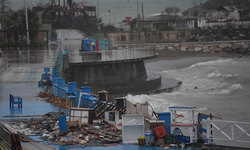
point(84, 134)
point(54, 100)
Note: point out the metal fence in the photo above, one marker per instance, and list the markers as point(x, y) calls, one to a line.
point(3, 67)
point(69, 90)
point(227, 131)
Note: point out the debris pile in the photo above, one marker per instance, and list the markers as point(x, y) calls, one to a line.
point(98, 134)
point(37, 126)
point(54, 100)
point(88, 135)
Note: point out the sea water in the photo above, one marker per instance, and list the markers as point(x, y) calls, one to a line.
point(217, 86)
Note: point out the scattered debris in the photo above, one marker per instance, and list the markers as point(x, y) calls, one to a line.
point(54, 100)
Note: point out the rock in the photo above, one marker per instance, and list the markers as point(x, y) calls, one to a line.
point(205, 47)
point(190, 49)
point(184, 45)
point(217, 50)
point(177, 45)
point(245, 46)
point(212, 48)
point(223, 46)
point(183, 49)
point(197, 49)
point(229, 45)
point(206, 50)
point(228, 49)
point(170, 48)
point(236, 47)
point(177, 49)
point(242, 51)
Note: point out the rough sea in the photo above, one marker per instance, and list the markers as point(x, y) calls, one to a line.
point(217, 86)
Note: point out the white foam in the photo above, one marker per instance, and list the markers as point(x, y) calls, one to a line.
point(213, 62)
point(215, 73)
point(230, 89)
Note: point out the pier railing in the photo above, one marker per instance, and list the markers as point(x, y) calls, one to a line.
point(3, 67)
point(69, 90)
point(227, 131)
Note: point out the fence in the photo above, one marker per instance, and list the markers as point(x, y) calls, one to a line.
point(228, 131)
point(3, 67)
point(69, 90)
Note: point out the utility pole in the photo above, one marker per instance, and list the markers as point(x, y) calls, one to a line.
point(242, 12)
point(27, 25)
point(114, 17)
point(142, 14)
point(110, 18)
point(137, 9)
point(98, 9)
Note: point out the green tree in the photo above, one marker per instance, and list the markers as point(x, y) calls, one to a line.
point(17, 21)
point(94, 23)
point(170, 15)
point(5, 4)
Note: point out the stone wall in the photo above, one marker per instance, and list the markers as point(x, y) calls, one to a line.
point(188, 35)
point(242, 48)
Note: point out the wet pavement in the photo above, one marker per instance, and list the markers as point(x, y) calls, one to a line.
point(25, 67)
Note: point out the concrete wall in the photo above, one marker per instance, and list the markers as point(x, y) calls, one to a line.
point(114, 76)
point(107, 73)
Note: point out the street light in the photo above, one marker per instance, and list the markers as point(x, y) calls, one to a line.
point(27, 25)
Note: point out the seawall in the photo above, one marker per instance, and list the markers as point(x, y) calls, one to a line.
point(113, 76)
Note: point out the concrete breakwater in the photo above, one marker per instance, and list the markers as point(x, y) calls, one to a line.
point(241, 48)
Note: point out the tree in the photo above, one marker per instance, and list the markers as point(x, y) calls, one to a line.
point(17, 21)
point(170, 15)
point(5, 4)
point(197, 2)
point(94, 23)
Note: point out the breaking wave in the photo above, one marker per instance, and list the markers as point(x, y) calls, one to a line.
point(214, 62)
point(227, 90)
point(216, 73)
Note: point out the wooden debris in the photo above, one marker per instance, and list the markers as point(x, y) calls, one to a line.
point(54, 100)
point(74, 123)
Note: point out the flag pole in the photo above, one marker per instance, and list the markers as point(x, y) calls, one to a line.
point(109, 17)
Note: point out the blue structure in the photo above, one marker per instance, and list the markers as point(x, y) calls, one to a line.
point(45, 77)
point(88, 45)
point(62, 123)
point(103, 44)
point(19, 101)
point(166, 116)
point(60, 88)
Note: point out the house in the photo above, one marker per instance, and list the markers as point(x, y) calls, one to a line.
point(223, 16)
point(125, 24)
point(157, 22)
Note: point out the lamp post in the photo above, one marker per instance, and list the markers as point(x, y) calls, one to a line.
point(27, 25)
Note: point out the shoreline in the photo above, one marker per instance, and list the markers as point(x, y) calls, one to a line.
point(174, 55)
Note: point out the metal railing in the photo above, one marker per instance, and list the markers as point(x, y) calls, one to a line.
point(228, 131)
point(3, 67)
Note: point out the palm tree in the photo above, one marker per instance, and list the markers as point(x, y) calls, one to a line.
point(94, 23)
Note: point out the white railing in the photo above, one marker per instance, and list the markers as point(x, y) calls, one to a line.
point(228, 131)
